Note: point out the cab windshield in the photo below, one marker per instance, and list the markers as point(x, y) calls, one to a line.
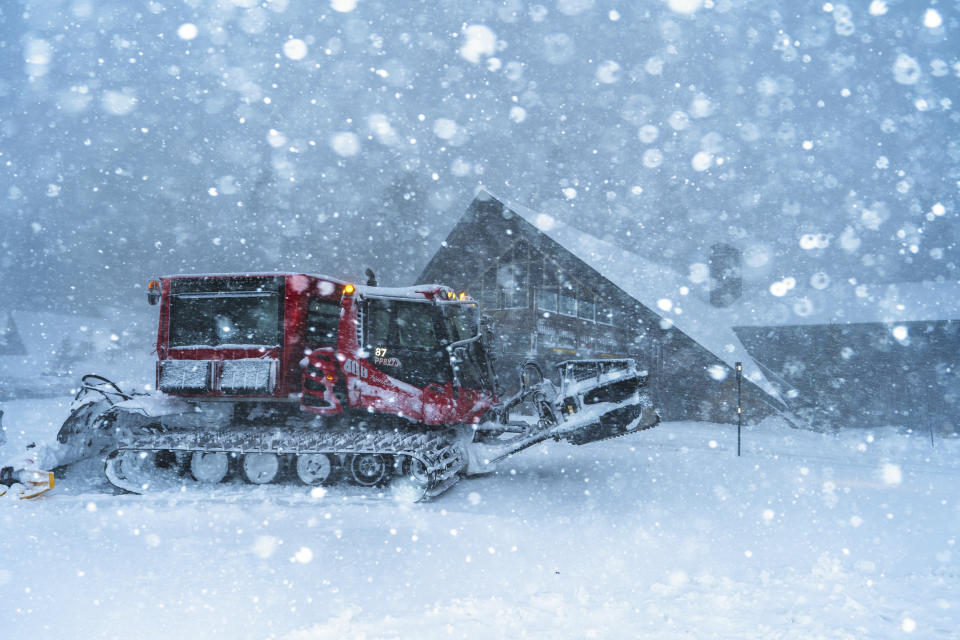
point(404, 340)
point(248, 319)
point(409, 340)
point(461, 321)
point(402, 325)
point(226, 311)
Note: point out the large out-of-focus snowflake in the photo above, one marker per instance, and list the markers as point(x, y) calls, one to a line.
point(822, 138)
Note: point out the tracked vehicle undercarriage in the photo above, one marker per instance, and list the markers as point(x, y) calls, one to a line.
point(387, 390)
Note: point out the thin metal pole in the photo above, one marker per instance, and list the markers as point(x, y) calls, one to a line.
point(739, 405)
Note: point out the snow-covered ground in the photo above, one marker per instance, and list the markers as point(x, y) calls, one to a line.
point(662, 534)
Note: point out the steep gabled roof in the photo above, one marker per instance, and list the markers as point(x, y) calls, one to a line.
point(658, 288)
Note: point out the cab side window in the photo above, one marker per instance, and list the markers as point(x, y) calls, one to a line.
point(415, 328)
point(323, 318)
point(400, 324)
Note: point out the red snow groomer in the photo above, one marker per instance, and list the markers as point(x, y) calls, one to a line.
point(310, 379)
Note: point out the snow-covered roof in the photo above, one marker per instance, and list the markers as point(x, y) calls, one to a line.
point(657, 287)
point(415, 291)
point(849, 303)
point(42, 334)
point(261, 274)
point(439, 292)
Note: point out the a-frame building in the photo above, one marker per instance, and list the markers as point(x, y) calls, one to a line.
point(555, 293)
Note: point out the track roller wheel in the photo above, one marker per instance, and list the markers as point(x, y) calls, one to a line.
point(164, 459)
point(314, 468)
point(415, 471)
point(260, 468)
point(368, 469)
point(129, 470)
point(209, 467)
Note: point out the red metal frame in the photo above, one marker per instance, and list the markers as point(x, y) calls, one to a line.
point(345, 374)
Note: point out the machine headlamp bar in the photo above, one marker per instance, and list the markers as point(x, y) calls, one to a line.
point(153, 292)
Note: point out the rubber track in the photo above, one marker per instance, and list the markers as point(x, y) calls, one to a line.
point(440, 451)
point(623, 433)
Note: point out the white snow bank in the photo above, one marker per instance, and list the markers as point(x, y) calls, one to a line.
point(661, 534)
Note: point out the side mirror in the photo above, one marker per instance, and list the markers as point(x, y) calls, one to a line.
point(153, 292)
point(457, 355)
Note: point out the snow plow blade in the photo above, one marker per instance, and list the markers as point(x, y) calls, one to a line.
point(24, 484)
point(100, 415)
point(616, 422)
point(84, 434)
point(596, 400)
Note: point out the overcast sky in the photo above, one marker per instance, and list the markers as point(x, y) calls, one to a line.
point(145, 138)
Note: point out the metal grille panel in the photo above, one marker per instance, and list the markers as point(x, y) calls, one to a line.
point(185, 375)
point(250, 375)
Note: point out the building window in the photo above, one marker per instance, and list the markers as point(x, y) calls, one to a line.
point(547, 300)
point(566, 339)
point(547, 295)
point(587, 306)
point(490, 294)
point(513, 279)
point(568, 296)
point(607, 343)
point(604, 311)
point(547, 335)
point(515, 342)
